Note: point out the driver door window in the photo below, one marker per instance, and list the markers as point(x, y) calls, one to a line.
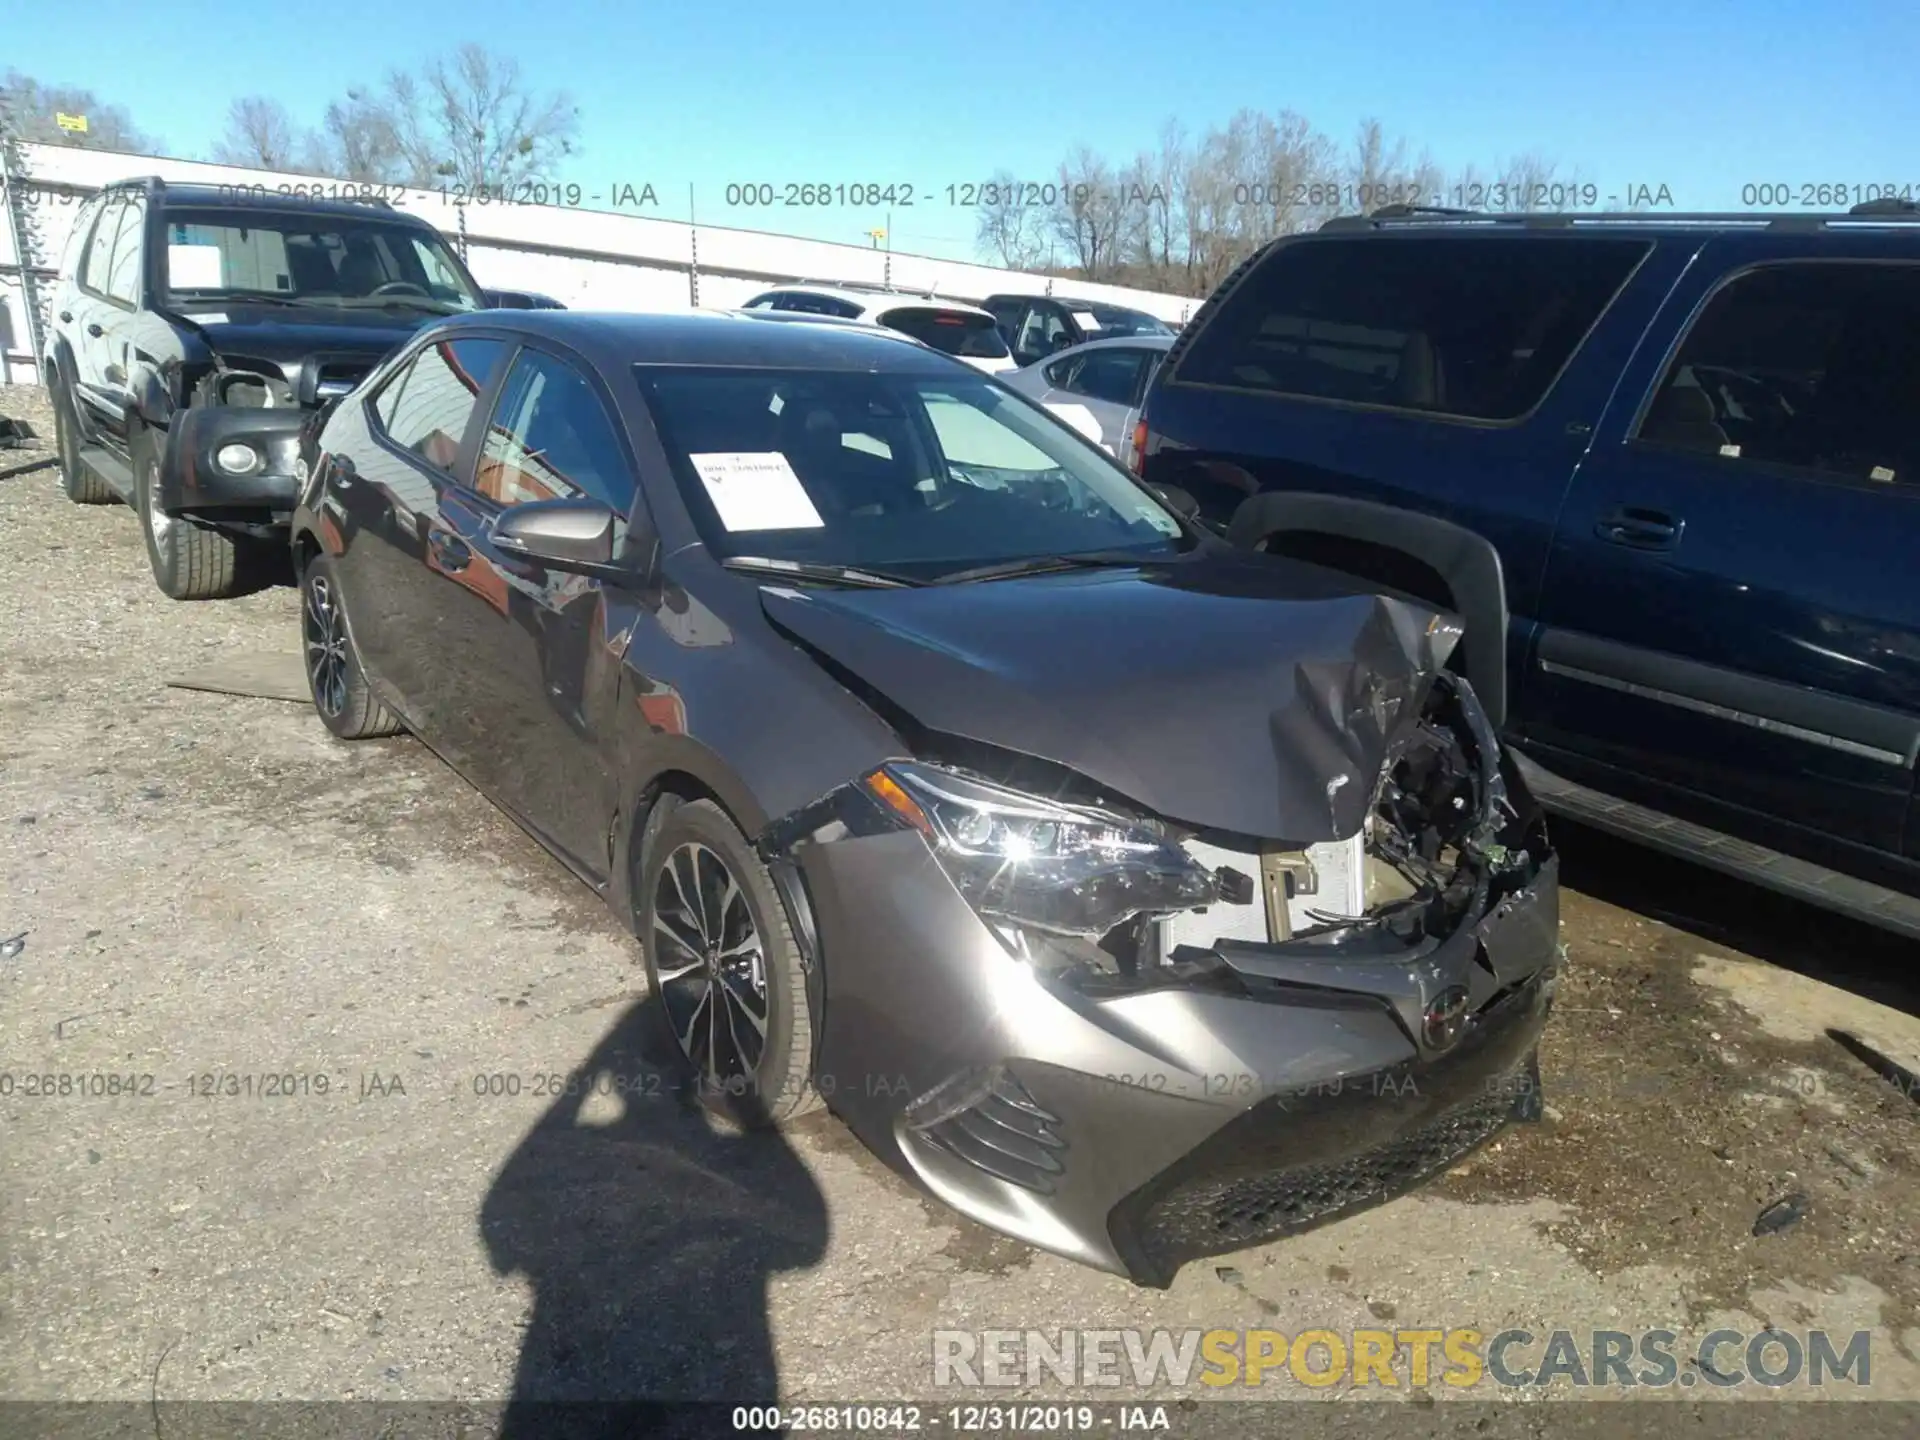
point(1811, 366)
point(551, 439)
point(1110, 375)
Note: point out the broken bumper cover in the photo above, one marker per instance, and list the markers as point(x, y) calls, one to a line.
point(194, 479)
point(1136, 1130)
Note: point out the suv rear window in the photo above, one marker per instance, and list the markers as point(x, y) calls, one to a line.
point(1475, 327)
point(955, 332)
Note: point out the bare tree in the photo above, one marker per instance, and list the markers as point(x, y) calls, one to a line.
point(36, 108)
point(1011, 224)
point(357, 140)
point(1381, 170)
point(259, 135)
point(1085, 214)
point(471, 120)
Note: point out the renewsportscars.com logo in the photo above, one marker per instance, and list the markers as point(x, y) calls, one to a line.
point(1459, 1358)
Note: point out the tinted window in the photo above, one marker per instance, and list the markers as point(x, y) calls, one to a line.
point(551, 438)
point(1471, 326)
point(78, 239)
point(806, 304)
point(1815, 366)
point(952, 332)
point(99, 261)
point(1112, 375)
point(425, 410)
point(1113, 321)
point(917, 473)
point(123, 275)
point(1060, 372)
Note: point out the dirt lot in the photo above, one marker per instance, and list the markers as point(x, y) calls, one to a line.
point(211, 892)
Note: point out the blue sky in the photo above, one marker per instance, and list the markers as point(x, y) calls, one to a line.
point(1702, 97)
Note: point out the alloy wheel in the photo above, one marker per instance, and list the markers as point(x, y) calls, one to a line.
point(325, 632)
point(711, 967)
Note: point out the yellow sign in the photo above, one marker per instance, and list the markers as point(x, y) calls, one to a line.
point(76, 123)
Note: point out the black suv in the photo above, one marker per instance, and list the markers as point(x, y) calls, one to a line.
point(1689, 445)
point(196, 326)
point(1036, 326)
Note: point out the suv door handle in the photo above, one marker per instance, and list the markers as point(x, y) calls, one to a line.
point(66, 317)
point(1640, 529)
point(450, 552)
point(94, 330)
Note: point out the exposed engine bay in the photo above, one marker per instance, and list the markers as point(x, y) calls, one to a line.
point(1091, 893)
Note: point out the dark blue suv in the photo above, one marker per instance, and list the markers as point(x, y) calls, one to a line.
point(1691, 448)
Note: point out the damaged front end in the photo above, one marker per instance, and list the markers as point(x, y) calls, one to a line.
point(1134, 1042)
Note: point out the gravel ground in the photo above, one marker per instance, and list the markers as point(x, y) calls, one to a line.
point(211, 891)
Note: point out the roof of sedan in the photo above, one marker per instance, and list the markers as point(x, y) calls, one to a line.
point(719, 338)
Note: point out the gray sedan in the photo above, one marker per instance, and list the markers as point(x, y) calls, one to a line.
point(1097, 387)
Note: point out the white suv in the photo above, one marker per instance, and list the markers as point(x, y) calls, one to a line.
point(964, 331)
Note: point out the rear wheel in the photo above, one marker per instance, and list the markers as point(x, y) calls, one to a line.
point(83, 487)
point(723, 966)
point(345, 701)
point(190, 561)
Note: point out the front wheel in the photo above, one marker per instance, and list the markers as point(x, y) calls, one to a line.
point(190, 561)
point(341, 695)
point(723, 966)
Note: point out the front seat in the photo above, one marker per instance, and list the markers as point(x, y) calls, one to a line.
point(1683, 416)
point(361, 272)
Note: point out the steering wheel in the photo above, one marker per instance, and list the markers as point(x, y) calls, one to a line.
point(397, 287)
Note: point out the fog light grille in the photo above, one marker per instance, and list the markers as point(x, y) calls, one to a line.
point(1005, 1133)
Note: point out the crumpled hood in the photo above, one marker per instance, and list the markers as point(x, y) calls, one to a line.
point(279, 334)
point(1247, 695)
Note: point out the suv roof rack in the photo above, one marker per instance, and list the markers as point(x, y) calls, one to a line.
point(1868, 212)
point(157, 185)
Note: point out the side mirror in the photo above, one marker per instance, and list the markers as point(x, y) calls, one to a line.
point(571, 535)
point(1180, 501)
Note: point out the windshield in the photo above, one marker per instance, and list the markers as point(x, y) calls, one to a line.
point(952, 332)
point(914, 475)
point(312, 259)
point(1115, 320)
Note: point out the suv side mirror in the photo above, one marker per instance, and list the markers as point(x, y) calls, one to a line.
point(571, 535)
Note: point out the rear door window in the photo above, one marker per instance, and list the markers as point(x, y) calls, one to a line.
point(1111, 375)
point(1476, 327)
point(1814, 365)
point(953, 332)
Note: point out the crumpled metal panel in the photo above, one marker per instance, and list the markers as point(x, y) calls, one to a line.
point(1184, 689)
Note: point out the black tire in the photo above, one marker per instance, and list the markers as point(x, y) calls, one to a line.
point(342, 697)
point(83, 487)
point(752, 1088)
point(190, 561)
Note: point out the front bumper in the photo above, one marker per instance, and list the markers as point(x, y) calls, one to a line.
point(1136, 1130)
point(193, 482)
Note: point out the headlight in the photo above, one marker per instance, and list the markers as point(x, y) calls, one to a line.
point(1030, 861)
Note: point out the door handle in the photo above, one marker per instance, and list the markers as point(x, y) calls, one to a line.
point(1640, 529)
point(450, 552)
point(93, 329)
point(66, 317)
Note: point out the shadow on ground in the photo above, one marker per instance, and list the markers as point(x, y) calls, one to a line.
point(1872, 963)
point(649, 1234)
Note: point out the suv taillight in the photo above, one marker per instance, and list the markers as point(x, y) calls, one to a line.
point(1137, 456)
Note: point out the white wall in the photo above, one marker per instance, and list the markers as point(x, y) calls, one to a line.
point(589, 259)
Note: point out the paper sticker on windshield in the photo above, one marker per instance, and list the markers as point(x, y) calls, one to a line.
point(193, 267)
point(1085, 320)
point(756, 491)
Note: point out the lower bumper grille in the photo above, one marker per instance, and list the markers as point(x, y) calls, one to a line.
point(1239, 1189)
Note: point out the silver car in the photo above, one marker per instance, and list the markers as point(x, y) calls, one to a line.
point(1097, 387)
